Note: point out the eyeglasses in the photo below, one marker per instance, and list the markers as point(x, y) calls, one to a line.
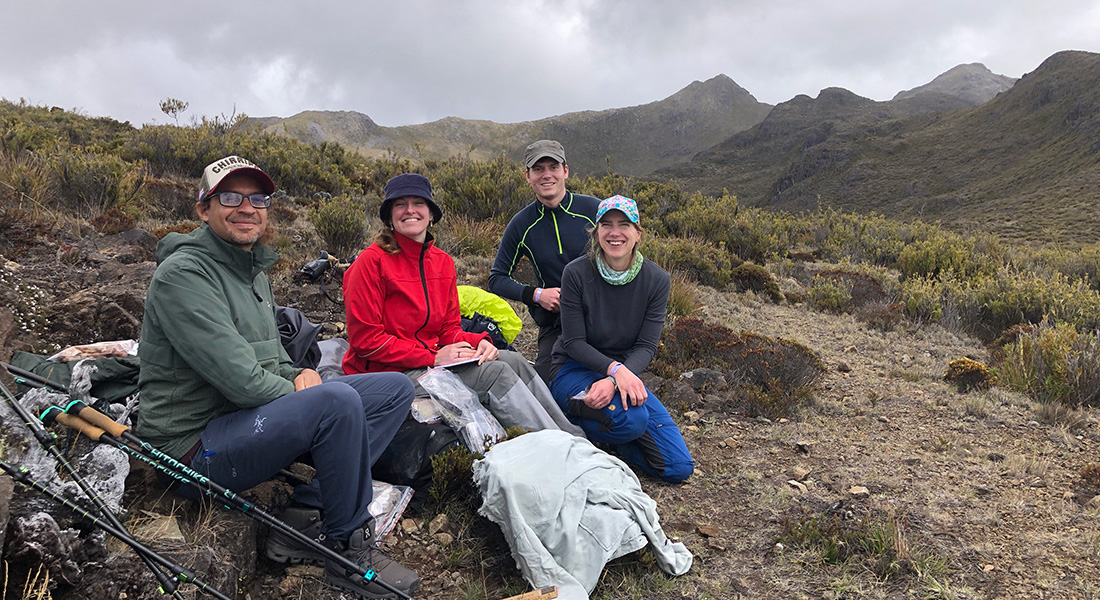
point(234, 199)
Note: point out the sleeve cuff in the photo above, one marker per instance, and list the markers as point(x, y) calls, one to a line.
point(528, 294)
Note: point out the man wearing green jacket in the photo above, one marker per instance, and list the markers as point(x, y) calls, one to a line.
point(218, 390)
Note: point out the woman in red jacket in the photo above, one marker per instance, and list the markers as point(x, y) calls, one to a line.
point(401, 298)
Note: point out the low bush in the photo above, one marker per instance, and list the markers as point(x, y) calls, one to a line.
point(1053, 364)
point(341, 223)
point(829, 295)
point(90, 184)
point(683, 301)
point(698, 260)
point(459, 235)
point(968, 374)
point(752, 277)
point(884, 316)
point(770, 377)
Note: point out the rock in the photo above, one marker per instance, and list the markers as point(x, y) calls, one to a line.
point(858, 491)
point(798, 485)
point(1094, 502)
point(692, 416)
point(438, 524)
point(409, 526)
point(798, 473)
point(7, 488)
point(691, 428)
point(729, 443)
point(705, 380)
point(803, 447)
point(784, 421)
point(843, 367)
point(444, 539)
point(38, 537)
point(708, 531)
point(161, 529)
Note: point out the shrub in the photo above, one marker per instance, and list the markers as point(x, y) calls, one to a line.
point(340, 221)
point(460, 235)
point(1054, 364)
point(884, 316)
point(828, 295)
point(968, 374)
point(184, 227)
point(683, 300)
point(92, 183)
point(113, 221)
point(748, 276)
point(770, 377)
point(697, 260)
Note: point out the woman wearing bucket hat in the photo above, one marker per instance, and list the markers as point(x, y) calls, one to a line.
point(401, 298)
point(613, 307)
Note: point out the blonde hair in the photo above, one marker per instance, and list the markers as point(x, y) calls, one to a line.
point(594, 249)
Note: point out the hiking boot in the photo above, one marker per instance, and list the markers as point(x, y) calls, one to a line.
point(282, 548)
point(361, 550)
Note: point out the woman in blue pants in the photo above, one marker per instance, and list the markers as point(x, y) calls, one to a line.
point(613, 307)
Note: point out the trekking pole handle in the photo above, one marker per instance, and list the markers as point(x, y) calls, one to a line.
point(100, 420)
point(54, 413)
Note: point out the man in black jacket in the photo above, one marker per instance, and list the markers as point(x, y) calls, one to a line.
point(550, 232)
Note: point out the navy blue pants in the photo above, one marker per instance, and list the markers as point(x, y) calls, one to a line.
point(344, 424)
point(645, 436)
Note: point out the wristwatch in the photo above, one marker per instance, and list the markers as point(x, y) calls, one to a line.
point(613, 382)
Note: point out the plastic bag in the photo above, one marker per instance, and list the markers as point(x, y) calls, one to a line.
point(474, 424)
point(426, 410)
point(116, 348)
point(386, 506)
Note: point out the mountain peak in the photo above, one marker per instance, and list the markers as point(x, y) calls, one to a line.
point(973, 83)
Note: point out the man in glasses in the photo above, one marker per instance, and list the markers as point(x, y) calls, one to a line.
point(219, 393)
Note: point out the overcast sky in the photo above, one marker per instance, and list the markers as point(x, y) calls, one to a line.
point(412, 61)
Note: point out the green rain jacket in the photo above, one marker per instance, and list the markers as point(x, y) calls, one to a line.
point(209, 343)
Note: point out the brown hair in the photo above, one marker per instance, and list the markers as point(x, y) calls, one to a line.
point(386, 240)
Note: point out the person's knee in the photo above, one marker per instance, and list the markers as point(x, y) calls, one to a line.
point(339, 399)
point(678, 472)
point(628, 425)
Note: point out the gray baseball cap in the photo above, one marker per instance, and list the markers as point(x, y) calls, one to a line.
point(217, 171)
point(543, 149)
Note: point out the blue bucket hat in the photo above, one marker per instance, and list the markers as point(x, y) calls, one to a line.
point(408, 184)
point(620, 203)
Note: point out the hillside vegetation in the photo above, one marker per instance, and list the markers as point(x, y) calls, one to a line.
point(1024, 165)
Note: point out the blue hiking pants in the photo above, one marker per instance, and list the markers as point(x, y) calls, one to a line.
point(344, 424)
point(645, 435)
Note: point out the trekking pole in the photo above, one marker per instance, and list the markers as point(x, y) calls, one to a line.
point(168, 585)
point(119, 436)
point(91, 415)
point(181, 573)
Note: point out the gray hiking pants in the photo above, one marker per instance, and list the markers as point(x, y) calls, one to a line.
point(511, 389)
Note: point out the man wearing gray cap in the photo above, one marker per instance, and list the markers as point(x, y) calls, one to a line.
point(550, 232)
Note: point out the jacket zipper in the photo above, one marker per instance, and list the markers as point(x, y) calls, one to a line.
point(427, 301)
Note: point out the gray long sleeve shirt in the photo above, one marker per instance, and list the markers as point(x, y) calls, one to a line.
point(602, 323)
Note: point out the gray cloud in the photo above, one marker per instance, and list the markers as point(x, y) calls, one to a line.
point(422, 60)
